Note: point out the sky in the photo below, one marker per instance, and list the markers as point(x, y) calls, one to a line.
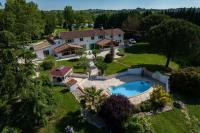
point(113, 4)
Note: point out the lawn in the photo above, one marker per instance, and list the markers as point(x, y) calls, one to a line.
point(58, 30)
point(175, 121)
point(67, 112)
point(145, 59)
point(114, 68)
point(71, 63)
point(141, 55)
point(169, 122)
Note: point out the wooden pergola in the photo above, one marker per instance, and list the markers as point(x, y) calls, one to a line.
point(106, 43)
point(67, 49)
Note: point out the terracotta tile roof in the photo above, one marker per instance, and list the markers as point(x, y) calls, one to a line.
point(50, 39)
point(104, 42)
point(89, 33)
point(42, 45)
point(116, 31)
point(71, 82)
point(60, 71)
point(64, 47)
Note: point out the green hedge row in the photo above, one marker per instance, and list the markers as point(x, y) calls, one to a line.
point(186, 81)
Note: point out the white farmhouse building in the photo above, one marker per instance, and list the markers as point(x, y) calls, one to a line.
point(66, 43)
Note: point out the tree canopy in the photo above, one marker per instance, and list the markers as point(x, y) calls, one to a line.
point(20, 16)
point(152, 20)
point(27, 102)
point(175, 37)
point(68, 17)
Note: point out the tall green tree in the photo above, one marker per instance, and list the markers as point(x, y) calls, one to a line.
point(60, 19)
point(20, 16)
point(68, 17)
point(102, 21)
point(101, 65)
point(84, 64)
point(152, 20)
point(50, 22)
point(175, 37)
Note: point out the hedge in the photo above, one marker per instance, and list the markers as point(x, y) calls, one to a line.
point(186, 81)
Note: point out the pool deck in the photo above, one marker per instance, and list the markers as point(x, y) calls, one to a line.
point(105, 84)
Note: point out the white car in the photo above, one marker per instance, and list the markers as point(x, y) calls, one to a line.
point(132, 41)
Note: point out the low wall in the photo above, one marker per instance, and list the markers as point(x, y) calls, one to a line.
point(79, 75)
point(135, 71)
point(162, 78)
point(141, 97)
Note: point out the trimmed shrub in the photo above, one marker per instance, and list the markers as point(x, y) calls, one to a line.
point(108, 58)
point(101, 65)
point(146, 106)
point(138, 125)
point(114, 111)
point(159, 98)
point(95, 52)
point(48, 63)
point(121, 52)
point(186, 81)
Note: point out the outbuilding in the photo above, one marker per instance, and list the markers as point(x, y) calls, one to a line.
point(61, 73)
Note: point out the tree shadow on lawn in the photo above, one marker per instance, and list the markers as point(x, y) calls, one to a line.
point(75, 120)
point(73, 60)
point(154, 68)
point(142, 49)
point(63, 91)
point(191, 100)
point(123, 70)
point(146, 48)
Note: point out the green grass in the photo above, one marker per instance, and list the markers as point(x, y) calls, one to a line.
point(58, 30)
point(146, 59)
point(141, 55)
point(67, 112)
point(169, 122)
point(194, 110)
point(175, 121)
point(113, 68)
point(70, 63)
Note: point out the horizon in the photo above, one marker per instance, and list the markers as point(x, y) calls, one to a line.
point(113, 4)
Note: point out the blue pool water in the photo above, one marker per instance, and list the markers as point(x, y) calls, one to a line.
point(131, 88)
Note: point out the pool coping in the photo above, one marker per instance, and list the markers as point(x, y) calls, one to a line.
point(138, 96)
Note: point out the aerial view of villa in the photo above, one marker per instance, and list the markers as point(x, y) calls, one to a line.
point(91, 66)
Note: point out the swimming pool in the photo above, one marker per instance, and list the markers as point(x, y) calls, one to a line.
point(131, 88)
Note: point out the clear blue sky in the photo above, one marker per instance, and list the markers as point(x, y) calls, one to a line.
point(114, 4)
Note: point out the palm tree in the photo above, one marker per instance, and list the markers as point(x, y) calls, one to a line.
point(93, 98)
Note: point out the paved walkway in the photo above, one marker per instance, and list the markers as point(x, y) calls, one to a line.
point(104, 53)
point(93, 68)
point(68, 58)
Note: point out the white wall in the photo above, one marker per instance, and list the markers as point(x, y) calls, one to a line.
point(39, 54)
point(87, 41)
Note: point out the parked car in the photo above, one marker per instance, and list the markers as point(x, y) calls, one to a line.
point(132, 41)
